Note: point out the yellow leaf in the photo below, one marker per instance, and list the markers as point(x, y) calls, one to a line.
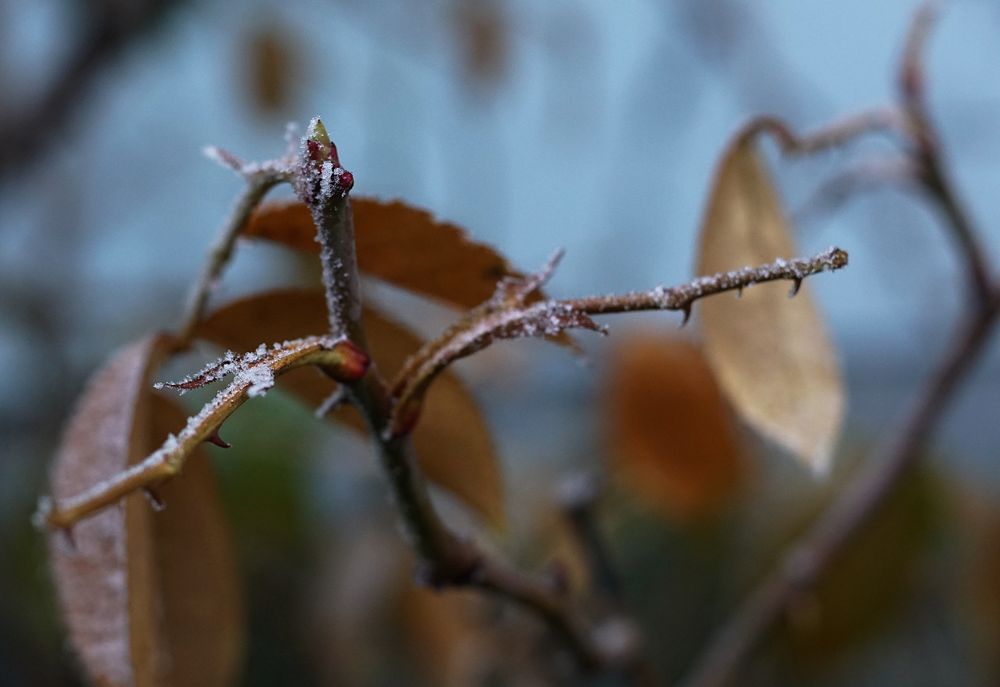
point(123, 586)
point(671, 436)
point(452, 440)
point(770, 353)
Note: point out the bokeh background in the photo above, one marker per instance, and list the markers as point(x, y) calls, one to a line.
point(589, 125)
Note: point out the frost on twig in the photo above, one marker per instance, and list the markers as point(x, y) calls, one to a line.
point(253, 374)
point(250, 366)
point(260, 178)
point(510, 315)
point(283, 166)
point(506, 315)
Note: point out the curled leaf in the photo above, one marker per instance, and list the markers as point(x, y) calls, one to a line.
point(123, 584)
point(770, 353)
point(452, 440)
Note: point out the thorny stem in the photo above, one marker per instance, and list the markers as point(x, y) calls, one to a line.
point(169, 459)
point(683, 296)
point(447, 559)
point(826, 540)
point(259, 183)
point(510, 316)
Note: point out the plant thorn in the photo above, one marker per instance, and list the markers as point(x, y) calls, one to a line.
point(217, 440)
point(68, 537)
point(687, 314)
point(154, 499)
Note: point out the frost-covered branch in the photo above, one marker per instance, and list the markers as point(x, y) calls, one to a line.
point(446, 559)
point(325, 186)
point(509, 315)
point(253, 374)
point(260, 178)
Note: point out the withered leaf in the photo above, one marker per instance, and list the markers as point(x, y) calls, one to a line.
point(453, 444)
point(671, 437)
point(770, 353)
point(203, 622)
point(123, 584)
point(403, 245)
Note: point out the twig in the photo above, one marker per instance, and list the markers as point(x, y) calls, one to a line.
point(682, 297)
point(929, 156)
point(260, 178)
point(325, 186)
point(878, 120)
point(446, 559)
point(508, 315)
point(254, 374)
point(578, 497)
point(109, 30)
point(826, 540)
point(867, 176)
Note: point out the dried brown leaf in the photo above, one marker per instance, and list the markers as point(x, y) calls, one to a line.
point(452, 441)
point(671, 436)
point(403, 245)
point(770, 354)
point(199, 585)
point(117, 589)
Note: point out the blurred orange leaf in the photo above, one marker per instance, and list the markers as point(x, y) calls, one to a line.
point(403, 245)
point(271, 67)
point(123, 585)
point(481, 33)
point(671, 436)
point(453, 443)
point(770, 354)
